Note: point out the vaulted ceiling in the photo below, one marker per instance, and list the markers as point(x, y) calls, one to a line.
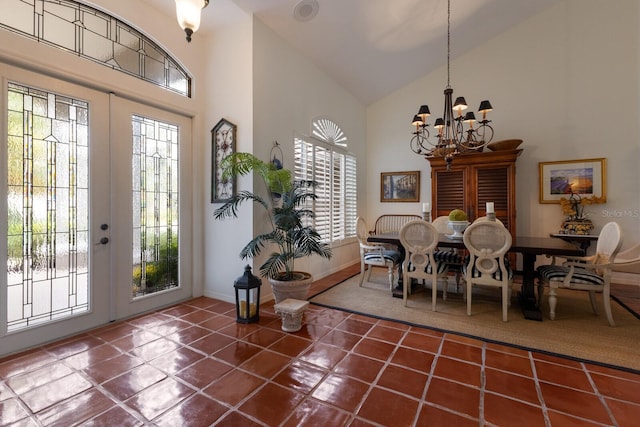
point(374, 47)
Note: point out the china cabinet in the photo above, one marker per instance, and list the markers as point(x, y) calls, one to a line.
point(474, 179)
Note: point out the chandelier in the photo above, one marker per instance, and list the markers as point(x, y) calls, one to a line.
point(455, 133)
point(188, 14)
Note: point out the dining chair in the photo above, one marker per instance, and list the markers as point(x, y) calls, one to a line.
point(589, 273)
point(419, 239)
point(487, 243)
point(375, 255)
point(628, 261)
point(485, 218)
point(441, 224)
point(449, 256)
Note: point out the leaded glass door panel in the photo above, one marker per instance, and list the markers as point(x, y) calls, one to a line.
point(151, 205)
point(55, 168)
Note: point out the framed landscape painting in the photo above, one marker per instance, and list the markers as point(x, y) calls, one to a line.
point(400, 186)
point(587, 178)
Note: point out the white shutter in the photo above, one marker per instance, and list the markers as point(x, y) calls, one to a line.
point(337, 198)
point(303, 152)
point(303, 168)
point(322, 206)
point(350, 195)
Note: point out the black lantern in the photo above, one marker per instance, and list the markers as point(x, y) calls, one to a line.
point(247, 297)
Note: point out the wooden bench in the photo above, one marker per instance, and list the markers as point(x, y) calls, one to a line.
point(392, 223)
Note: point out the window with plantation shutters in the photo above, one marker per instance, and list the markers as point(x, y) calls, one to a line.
point(324, 158)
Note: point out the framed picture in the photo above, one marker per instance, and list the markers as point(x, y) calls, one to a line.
point(400, 186)
point(223, 143)
point(586, 178)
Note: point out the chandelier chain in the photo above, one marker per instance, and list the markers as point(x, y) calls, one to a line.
point(448, 43)
point(456, 134)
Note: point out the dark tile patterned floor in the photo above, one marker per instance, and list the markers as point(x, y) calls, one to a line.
point(193, 365)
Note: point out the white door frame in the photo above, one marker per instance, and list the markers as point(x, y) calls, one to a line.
point(100, 272)
point(123, 304)
point(111, 296)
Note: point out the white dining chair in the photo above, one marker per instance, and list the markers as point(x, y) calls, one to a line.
point(589, 273)
point(628, 261)
point(419, 239)
point(486, 218)
point(487, 243)
point(441, 224)
point(375, 255)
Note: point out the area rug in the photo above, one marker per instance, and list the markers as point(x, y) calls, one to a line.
point(576, 332)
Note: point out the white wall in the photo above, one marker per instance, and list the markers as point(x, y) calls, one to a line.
point(565, 81)
point(289, 93)
point(229, 95)
point(272, 96)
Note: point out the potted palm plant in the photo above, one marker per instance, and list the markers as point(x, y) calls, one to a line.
point(288, 236)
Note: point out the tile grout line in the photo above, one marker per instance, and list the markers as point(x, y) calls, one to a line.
point(536, 381)
point(596, 391)
point(483, 384)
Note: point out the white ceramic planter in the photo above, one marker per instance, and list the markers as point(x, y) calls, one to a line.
point(296, 289)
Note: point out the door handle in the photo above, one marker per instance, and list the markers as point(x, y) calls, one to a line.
point(103, 241)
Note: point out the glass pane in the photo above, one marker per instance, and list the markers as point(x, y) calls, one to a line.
point(155, 203)
point(97, 47)
point(127, 59)
point(48, 212)
point(20, 18)
point(154, 70)
point(59, 31)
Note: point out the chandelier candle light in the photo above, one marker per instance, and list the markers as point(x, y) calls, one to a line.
point(452, 137)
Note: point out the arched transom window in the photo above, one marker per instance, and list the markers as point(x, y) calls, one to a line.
point(95, 35)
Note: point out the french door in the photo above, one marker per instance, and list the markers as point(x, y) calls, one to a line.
point(150, 193)
point(94, 228)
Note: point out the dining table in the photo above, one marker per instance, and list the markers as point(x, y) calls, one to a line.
point(528, 247)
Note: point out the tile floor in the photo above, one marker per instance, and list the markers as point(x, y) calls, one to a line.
point(193, 365)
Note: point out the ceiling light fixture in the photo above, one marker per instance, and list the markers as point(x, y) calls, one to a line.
point(188, 13)
point(452, 137)
point(306, 10)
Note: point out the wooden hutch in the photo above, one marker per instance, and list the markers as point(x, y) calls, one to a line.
point(473, 180)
